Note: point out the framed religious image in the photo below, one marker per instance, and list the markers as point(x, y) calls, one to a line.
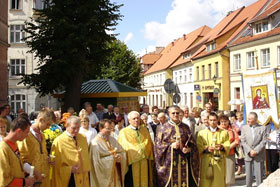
point(260, 98)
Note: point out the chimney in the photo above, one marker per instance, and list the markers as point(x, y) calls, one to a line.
point(184, 35)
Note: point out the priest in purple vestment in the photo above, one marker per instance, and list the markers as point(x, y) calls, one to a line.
point(176, 154)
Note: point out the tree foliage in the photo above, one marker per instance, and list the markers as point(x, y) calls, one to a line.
point(122, 65)
point(69, 39)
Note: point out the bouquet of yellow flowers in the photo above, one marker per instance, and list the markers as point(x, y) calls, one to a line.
point(50, 135)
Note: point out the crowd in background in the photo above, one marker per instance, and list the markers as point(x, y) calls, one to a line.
point(250, 145)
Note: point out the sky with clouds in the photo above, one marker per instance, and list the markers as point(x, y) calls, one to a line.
point(149, 23)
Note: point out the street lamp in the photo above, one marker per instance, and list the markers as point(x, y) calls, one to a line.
point(215, 81)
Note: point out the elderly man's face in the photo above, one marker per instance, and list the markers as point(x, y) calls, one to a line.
point(252, 120)
point(110, 108)
point(134, 120)
point(73, 128)
point(174, 115)
point(89, 109)
point(161, 118)
point(186, 113)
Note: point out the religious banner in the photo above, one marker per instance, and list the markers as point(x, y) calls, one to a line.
point(260, 95)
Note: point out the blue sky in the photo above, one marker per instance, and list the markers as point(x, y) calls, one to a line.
point(147, 24)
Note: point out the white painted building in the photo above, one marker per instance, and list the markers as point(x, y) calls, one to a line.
point(153, 83)
point(183, 77)
point(22, 62)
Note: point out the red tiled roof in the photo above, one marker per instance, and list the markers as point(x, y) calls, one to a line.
point(237, 19)
point(150, 58)
point(249, 38)
point(173, 50)
point(272, 8)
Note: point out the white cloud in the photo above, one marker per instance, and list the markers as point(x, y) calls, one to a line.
point(186, 16)
point(128, 37)
point(150, 48)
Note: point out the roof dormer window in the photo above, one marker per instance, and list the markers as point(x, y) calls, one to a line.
point(211, 46)
point(261, 27)
point(186, 55)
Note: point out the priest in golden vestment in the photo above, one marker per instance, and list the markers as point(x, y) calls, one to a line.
point(213, 145)
point(33, 150)
point(11, 166)
point(72, 164)
point(108, 159)
point(137, 143)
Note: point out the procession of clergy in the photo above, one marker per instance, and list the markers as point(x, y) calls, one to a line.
point(170, 154)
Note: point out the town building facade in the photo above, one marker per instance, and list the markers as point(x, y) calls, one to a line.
point(3, 52)
point(256, 48)
point(21, 61)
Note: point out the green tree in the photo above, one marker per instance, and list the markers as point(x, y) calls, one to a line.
point(122, 65)
point(70, 39)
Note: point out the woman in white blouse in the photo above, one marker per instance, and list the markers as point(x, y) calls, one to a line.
point(89, 133)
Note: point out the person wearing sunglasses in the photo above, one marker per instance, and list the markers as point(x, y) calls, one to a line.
point(176, 153)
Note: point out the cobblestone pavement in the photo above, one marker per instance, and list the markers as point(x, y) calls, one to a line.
point(240, 181)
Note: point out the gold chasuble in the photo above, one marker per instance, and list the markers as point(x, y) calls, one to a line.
point(68, 153)
point(105, 170)
point(139, 150)
point(216, 159)
point(11, 166)
point(35, 153)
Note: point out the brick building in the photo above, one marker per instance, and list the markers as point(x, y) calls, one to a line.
point(3, 51)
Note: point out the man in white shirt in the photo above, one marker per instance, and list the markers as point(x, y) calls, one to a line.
point(189, 120)
point(208, 109)
point(93, 120)
point(125, 115)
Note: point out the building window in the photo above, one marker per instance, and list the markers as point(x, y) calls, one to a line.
point(190, 74)
point(17, 34)
point(186, 55)
point(213, 46)
point(180, 77)
point(16, 4)
point(175, 77)
point(258, 28)
point(185, 75)
point(236, 62)
point(217, 69)
point(265, 26)
point(208, 48)
point(250, 60)
point(17, 67)
point(262, 27)
point(278, 55)
point(265, 55)
point(197, 73)
point(18, 101)
point(203, 72)
point(209, 71)
point(186, 99)
point(39, 4)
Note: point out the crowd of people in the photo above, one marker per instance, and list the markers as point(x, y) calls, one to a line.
point(106, 147)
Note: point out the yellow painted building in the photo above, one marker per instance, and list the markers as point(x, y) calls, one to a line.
point(204, 70)
point(212, 61)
